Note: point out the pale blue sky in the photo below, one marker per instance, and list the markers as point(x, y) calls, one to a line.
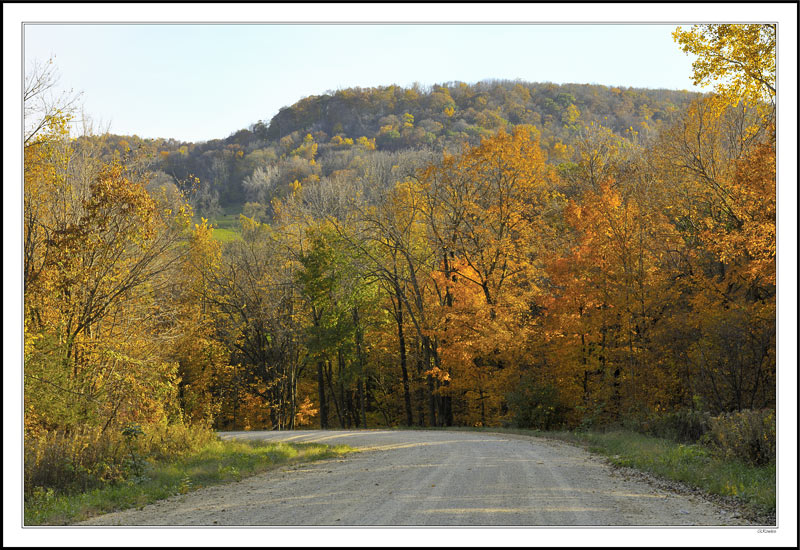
point(200, 82)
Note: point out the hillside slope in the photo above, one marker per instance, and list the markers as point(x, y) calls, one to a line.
point(332, 135)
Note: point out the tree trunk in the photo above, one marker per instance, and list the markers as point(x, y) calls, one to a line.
point(345, 406)
point(432, 401)
point(444, 401)
point(336, 406)
point(292, 399)
point(362, 399)
point(323, 405)
point(483, 407)
point(360, 354)
point(403, 360)
point(420, 388)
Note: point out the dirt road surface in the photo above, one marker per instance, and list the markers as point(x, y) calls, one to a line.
point(431, 478)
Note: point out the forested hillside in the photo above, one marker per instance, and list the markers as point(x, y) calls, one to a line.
point(488, 254)
point(321, 136)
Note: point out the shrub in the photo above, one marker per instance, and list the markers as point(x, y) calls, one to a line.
point(683, 426)
point(164, 441)
point(536, 406)
point(89, 457)
point(747, 435)
point(77, 460)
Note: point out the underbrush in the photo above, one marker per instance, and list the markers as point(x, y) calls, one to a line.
point(95, 473)
point(90, 457)
point(683, 426)
point(747, 435)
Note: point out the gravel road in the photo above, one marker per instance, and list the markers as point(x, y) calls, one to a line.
point(432, 478)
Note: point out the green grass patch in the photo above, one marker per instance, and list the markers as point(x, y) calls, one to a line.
point(226, 224)
point(695, 465)
point(226, 221)
point(216, 463)
point(226, 235)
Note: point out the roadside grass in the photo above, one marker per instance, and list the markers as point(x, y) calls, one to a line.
point(753, 487)
point(693, 465)
point(216, 463)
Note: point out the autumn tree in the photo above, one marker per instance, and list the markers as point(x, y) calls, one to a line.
point(719, 162)
point(483, 213)
point(738, 59)
point(251, 293)
point(94, 307)
point(203, 360)
point(339, 299)
point(42, 103)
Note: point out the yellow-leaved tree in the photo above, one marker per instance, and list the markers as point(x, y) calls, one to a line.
point(739, 59)
point(484, 215)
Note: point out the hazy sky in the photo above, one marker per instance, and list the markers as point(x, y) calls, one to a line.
point(204, 81)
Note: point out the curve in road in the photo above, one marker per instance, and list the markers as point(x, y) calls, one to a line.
point(431, 478)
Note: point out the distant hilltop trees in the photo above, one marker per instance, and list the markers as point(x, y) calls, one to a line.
point(321, 135)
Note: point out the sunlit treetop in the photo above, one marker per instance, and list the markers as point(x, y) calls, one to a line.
point(738, 59)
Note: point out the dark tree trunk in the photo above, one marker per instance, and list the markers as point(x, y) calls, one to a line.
point(362, 400)
point(432, 402)
point(344, 416)
point(336, 402)
point(323, 405)
point(420, 388)
point(361, 374)
point(403, 359)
